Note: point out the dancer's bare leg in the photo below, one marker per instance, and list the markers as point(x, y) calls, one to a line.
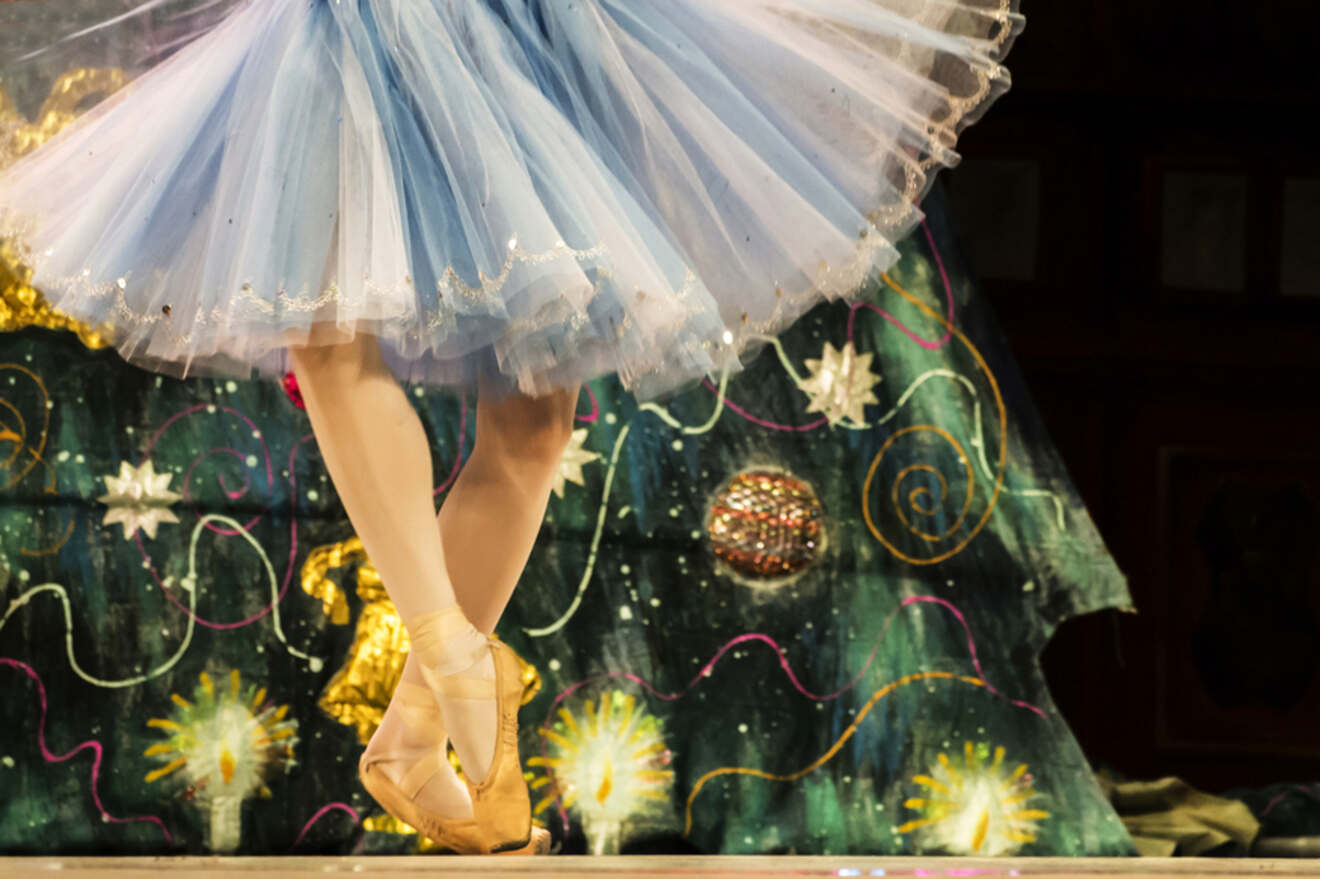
point(378, 455)
point(490, 520)
point(493, 512)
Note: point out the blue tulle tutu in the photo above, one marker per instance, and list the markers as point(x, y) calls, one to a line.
point(530, 193)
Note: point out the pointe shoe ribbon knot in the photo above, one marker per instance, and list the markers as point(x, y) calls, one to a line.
point(446, 642)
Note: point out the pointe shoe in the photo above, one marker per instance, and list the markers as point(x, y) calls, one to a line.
point(461, 836)
point(461, 664)
point(501, 802)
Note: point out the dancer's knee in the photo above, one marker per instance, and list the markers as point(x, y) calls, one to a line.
point(334, 362)
point(527, 431)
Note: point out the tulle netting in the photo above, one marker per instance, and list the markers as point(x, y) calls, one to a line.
point(529, 192)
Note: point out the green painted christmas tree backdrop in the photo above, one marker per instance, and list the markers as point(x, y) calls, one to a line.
point(795, 609)
point(798, 609)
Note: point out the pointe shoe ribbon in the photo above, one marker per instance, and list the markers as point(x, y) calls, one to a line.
point(446, 643)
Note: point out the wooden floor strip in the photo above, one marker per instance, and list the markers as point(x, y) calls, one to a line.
point(680, 866)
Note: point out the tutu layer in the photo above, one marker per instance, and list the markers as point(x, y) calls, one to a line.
point(530, 193)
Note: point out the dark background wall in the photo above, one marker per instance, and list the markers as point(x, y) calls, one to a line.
point(1144, 213)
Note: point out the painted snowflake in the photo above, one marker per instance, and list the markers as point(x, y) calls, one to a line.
point(138, 498)
point(575, 458)
point(841, 384)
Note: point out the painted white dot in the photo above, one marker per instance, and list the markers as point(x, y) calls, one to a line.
point(655, 602)
point(625, 570)
point(674, 512)
point(742, 728)
point(256, 434)
point(676, 445)
point(728, 337)
point(129, 430)
point(554, 665)
point(611, 418)
point(625, 613)
point(315, 663)
point(8, 761)
point(63, 455)
point(251, 460)
point(419, 391)
point(24, 575)
point(313, 495)
point(231, 386)
point(1029, 586)
point(79, 459)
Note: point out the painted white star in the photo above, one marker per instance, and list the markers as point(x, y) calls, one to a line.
point(841, 384)
point(570, 466)
point(138, 498)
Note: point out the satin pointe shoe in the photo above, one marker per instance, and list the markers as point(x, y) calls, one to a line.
point(501, 801)
point(419, 711)
point(477, 683)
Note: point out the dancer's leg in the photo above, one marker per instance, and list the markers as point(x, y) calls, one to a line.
point(494, 510)
point(491, 517)
point(378, 455)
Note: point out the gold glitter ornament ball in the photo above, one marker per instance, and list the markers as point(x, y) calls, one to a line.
point(766, 526)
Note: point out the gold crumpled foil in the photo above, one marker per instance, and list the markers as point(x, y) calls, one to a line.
point(359, 692)
point(72, 94)
point(22, 305)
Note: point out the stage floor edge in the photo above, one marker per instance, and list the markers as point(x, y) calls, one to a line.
point(567, 867)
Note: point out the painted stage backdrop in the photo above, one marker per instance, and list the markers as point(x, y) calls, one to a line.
point(798, 609)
